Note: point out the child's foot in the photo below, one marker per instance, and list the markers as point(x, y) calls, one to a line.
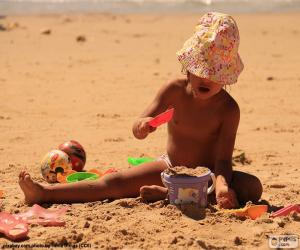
point(33, 191)
point(153, 193)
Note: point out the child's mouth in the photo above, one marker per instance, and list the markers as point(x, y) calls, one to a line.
point(203, 89)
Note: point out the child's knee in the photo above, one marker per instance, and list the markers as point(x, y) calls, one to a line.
point(257, 188)
point(248, 187)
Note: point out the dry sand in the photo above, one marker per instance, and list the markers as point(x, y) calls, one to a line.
point(87, 77)
point(184, 171)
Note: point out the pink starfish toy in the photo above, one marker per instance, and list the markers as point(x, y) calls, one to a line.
point(13, 228)
point(40, 215)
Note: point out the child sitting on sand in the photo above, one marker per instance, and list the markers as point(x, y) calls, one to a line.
point(201, 133)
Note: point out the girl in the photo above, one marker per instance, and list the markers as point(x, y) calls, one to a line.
point(201, 133)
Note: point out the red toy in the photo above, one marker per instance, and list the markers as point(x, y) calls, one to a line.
point(286, 210)
point(42, 216)
point(76, 153)
point(162, 118)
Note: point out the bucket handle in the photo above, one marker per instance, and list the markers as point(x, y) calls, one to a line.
point(213, 185)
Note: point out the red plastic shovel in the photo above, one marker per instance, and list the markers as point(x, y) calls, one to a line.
point(286, 210)
point(13, 228)
point(162, 118)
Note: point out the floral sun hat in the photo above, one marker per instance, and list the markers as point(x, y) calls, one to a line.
point(212, 51)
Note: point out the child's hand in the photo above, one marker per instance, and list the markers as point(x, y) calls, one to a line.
point(226, 197)
point(142, 128)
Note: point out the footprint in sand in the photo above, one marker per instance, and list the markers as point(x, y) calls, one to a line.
point(81, 38)
point(276, 185)
point(16, 139)
point(118, 139)
point(138, 35)
point(67, 20)
point(46, 32)
point(157, 61)
point(238, 241)
point(114, 116)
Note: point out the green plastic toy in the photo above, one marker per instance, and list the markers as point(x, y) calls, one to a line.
point(137, 161)
point(80, 176)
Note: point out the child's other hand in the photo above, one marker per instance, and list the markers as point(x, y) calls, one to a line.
point(226, 197)
point(142, 128)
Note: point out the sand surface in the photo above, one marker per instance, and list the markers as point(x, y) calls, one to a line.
point(184, 171)
point(87, 77)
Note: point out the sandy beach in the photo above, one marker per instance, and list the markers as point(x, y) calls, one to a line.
point(87, 77)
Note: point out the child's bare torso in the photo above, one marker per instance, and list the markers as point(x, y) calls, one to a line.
point(194, 130)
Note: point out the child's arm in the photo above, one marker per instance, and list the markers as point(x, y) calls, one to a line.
point(161, 102)
point(223, 165)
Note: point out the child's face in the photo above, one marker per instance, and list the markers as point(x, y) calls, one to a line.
point(203, 88)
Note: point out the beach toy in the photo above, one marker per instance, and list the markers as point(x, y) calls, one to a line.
point(189, 189)
point(110, 170)
point(96, 171)
point(76, 153)
point(42, 216)
point(13, 228)
point(62, 177)
point(82, 176)
point(286, 210)
point(253, 211)
point(162, 118)
point(137, 161)
point(55, 161)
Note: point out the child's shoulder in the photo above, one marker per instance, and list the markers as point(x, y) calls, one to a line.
point(175, 85)
point(230, 104)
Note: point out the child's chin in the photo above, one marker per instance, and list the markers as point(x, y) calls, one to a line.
point(203, 96)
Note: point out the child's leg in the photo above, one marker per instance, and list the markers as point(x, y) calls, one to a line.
point(126, 183)
point(246, 186)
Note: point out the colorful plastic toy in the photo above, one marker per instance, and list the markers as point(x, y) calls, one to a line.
point(55, 161)
point(162, 118)
point(253, 211)
point(137, 161)
point(42, 216)
point(81, 176)
point(286, 210)
point(13, 228)
point(73, 176)
point(96, 171)
point(110, 170)
point(62, 177)
point(76, 153)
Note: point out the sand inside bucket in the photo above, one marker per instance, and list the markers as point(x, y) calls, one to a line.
point(185, 171)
